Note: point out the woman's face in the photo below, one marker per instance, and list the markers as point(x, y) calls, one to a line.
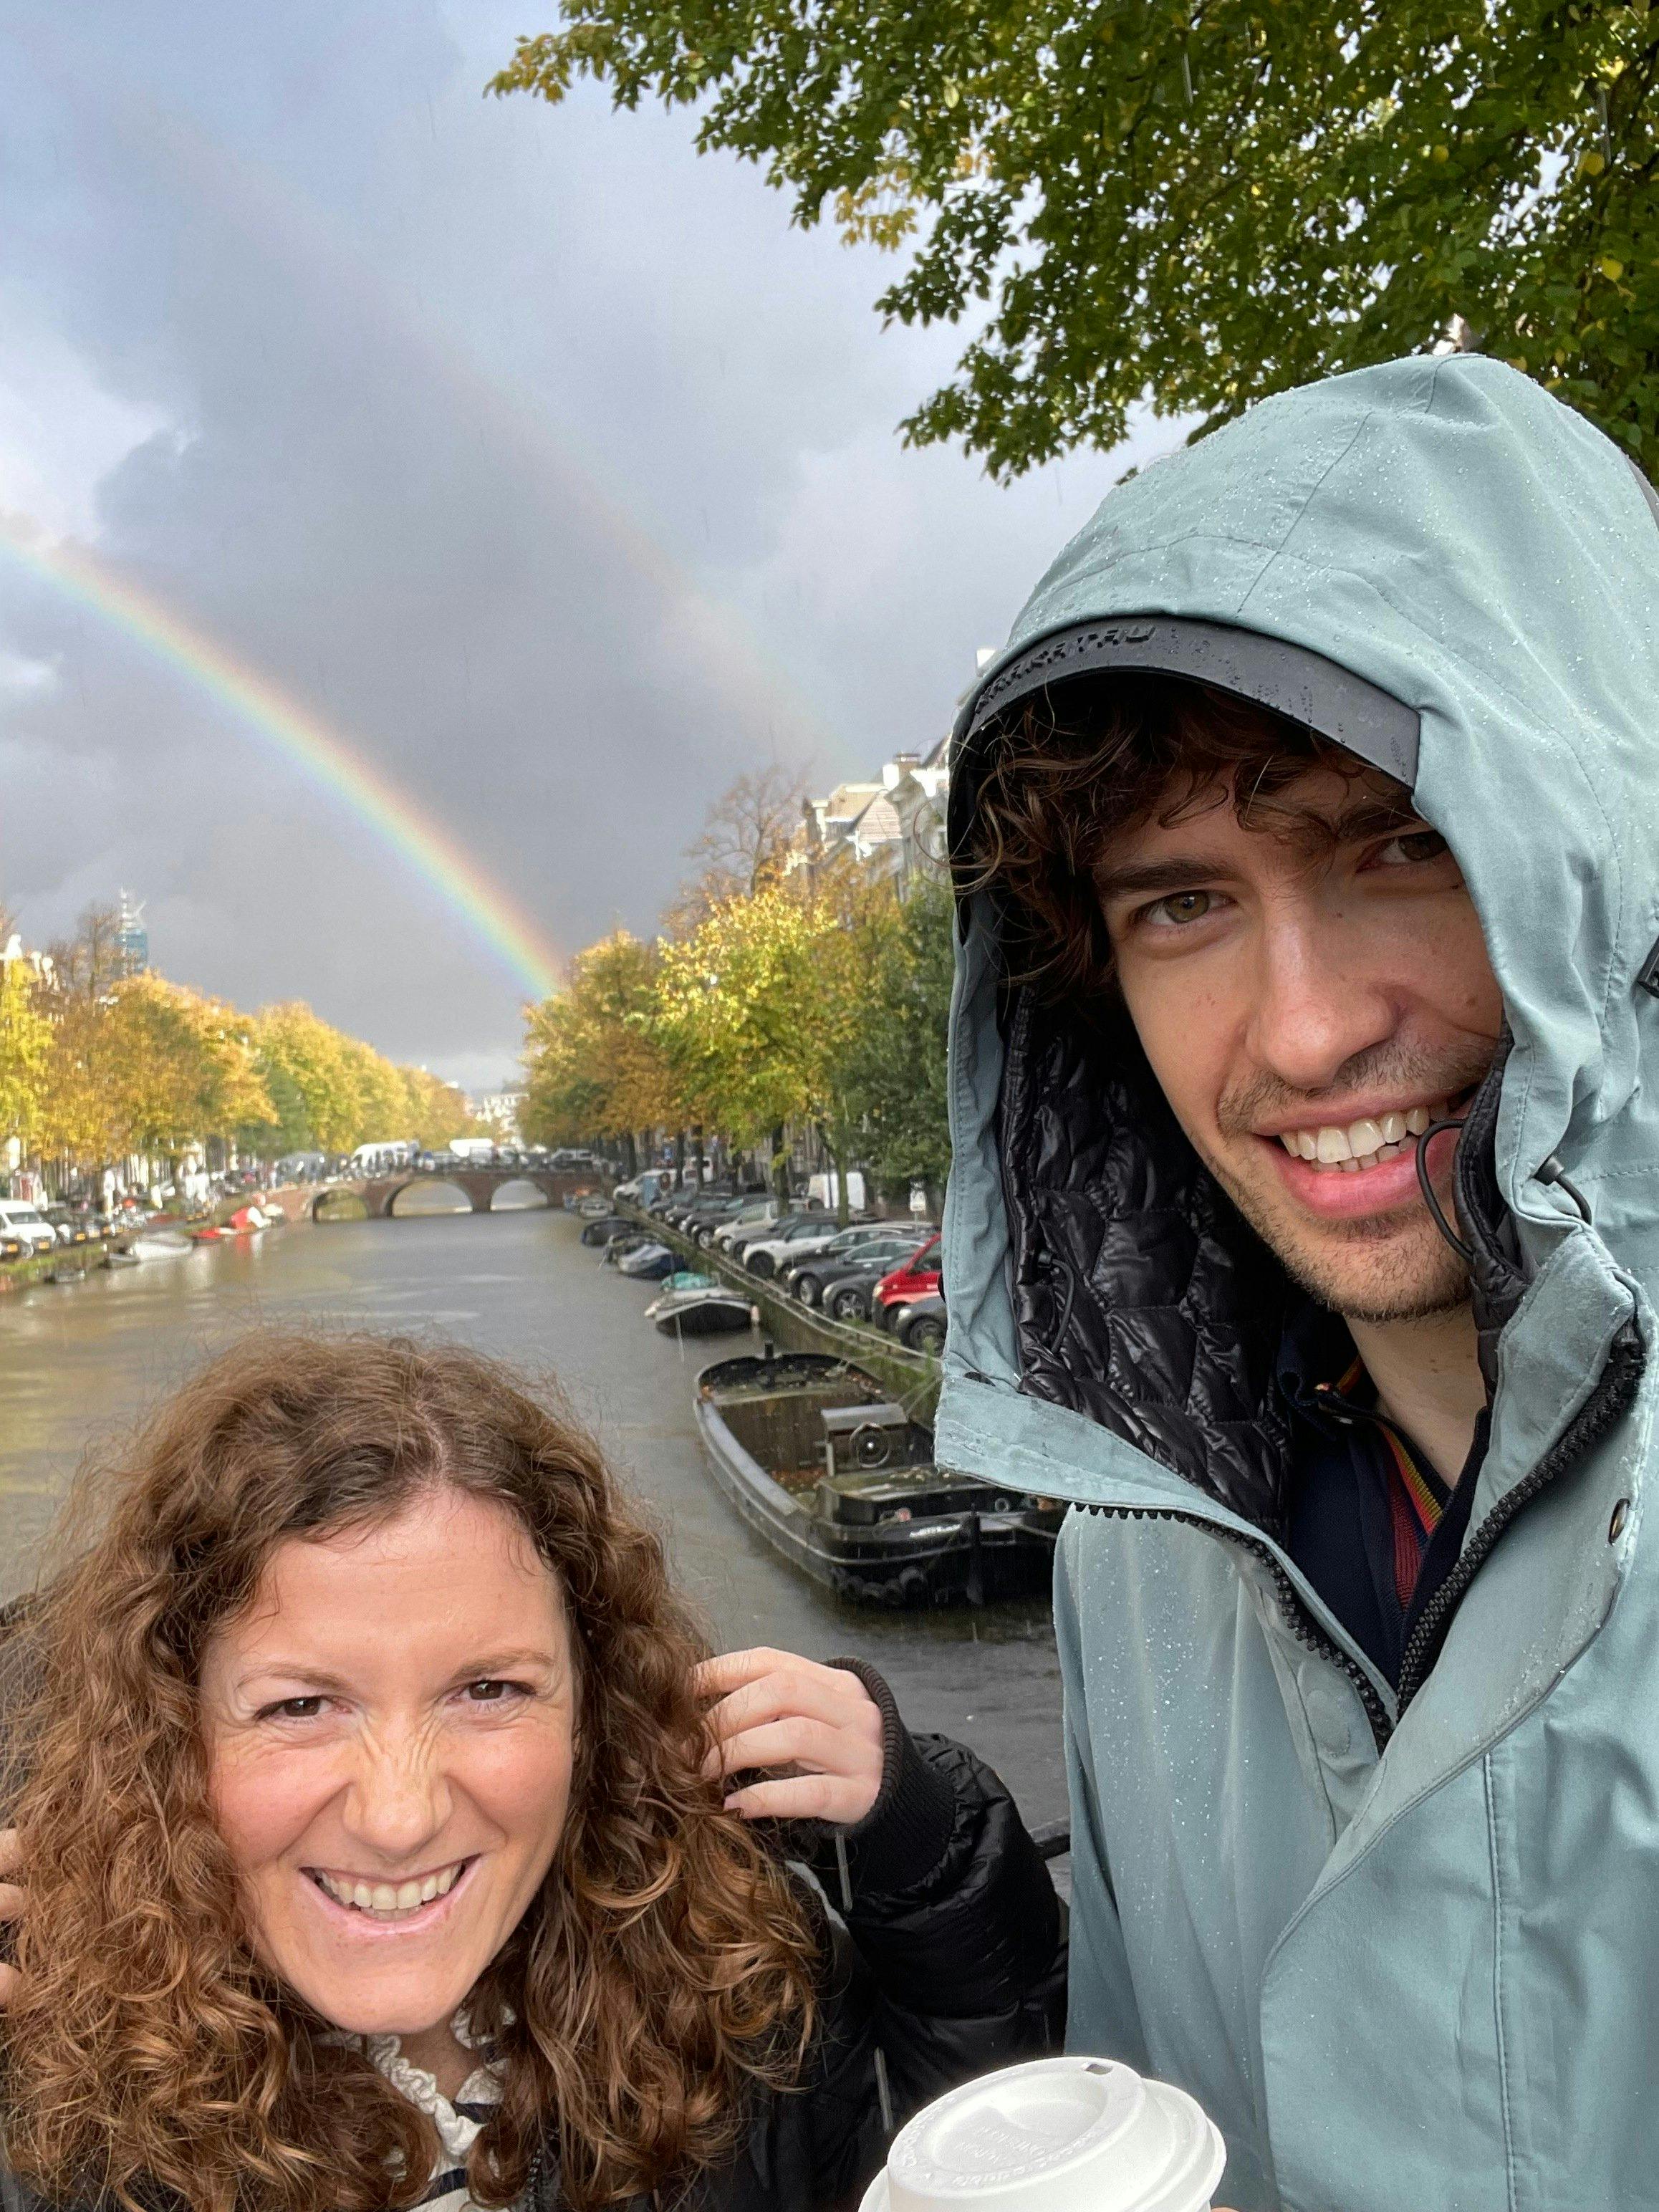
point(389, 1729)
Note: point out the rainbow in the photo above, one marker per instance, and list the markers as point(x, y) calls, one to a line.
point(322, 755)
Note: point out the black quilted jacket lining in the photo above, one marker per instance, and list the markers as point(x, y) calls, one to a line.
point(1140, 1297)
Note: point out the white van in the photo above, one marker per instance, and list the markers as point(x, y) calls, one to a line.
point(21, 1218)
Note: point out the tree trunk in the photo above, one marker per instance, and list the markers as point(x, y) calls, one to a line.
point(779, 1175)
point(696, 1140)
point(631, 1156)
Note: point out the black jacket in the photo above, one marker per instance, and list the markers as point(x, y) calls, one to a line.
point(946, 1957)
point(950, 1960)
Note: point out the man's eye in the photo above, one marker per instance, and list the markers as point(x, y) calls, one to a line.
point(1179, 908)
point(1417, 845)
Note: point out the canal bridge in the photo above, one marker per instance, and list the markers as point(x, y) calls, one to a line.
point(478, 1186)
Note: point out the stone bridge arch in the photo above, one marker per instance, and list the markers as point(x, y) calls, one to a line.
point(478, 1186)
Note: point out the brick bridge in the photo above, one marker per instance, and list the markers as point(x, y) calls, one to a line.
point(478, 1186)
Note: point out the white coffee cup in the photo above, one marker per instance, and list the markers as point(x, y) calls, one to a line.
point(1061, 2135)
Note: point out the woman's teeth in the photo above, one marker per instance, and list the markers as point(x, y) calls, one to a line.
point(1360, 1144)
point(389, 1901)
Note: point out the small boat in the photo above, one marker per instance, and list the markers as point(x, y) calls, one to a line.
point(118, 1256)
point(841, 1482)
point(600, 1228)
point(160, 1244)
point(707, 1310)
point(647, 1263)
point(593, 1205)
point(66, 1272)
point(248, 1216)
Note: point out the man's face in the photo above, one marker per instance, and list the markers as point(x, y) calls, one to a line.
point(1311, 992)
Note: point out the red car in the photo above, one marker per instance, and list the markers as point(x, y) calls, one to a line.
point(915, 1278)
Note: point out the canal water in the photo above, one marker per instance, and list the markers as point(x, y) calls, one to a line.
point(78, 1362)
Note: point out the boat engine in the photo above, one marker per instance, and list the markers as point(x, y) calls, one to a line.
point(865, 1439)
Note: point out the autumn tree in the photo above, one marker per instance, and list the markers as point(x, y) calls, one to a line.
point(88, 965)
point(744, 845)
point(897, 1079)
point(1195, 206)
point(594, 1066)
point(315, 1058)
point(437, 1110)
point(25, 1047)
point(760, 1010)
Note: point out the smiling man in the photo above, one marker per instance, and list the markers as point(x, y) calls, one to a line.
point(1301, 1231)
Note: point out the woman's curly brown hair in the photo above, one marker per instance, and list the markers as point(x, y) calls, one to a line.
point(1066, 775)
point(665, 1968)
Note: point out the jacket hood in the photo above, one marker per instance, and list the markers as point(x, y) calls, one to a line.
point(1444, 568)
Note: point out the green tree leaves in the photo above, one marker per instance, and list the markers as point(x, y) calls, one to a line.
point(1196, 204)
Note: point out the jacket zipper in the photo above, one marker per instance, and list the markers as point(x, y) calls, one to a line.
point(1613, 1394)
point(1611, 1397)
point(1301, 1623)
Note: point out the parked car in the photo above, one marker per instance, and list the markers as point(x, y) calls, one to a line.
point(758, 1232)
point(916, 1279)
point(850, 1297)
point(21, 1218)
point(806, 1278)
point(921, 1327)
point(761, 1255)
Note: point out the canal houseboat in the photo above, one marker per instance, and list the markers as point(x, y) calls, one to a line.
point(840, 1481)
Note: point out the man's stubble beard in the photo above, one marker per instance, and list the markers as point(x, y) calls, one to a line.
point(1420, 1279)
point(1422, 1276)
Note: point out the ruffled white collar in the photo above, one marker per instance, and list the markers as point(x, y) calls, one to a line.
point(483, 2086)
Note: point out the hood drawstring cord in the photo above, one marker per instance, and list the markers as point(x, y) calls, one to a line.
point(1549, 1170)
point(1435, 1129)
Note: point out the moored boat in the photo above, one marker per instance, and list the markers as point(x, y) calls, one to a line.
point(704, 1311)
point(160, 1244)
point(840, 1481)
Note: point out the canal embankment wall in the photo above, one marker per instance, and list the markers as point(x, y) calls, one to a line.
point(914, 1377)
point(294, 1199)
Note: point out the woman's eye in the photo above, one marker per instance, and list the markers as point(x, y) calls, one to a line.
point(1179, 908)
point(294, 1709)
point(1417, 845)
point(489, 1691)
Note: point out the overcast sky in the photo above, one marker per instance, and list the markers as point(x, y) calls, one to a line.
point(538, 456)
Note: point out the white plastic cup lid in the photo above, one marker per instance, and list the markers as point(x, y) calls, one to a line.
point(1061, 2135)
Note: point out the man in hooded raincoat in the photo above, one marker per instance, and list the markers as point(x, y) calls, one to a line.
point(1362, 1711)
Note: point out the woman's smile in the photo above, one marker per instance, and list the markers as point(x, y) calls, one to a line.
point(413, 1903)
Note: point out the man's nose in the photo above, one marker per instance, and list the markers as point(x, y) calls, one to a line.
point(399, 1797)
point(1315, 1005)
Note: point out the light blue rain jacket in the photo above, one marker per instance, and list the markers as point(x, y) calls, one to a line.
point(1423, 1975)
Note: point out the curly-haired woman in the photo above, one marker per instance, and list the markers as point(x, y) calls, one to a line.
point(387, 1842)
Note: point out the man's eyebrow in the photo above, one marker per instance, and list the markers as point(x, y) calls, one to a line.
point(1176, 871)
point(1303, 826)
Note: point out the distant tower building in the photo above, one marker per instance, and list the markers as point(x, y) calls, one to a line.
point(132, 937)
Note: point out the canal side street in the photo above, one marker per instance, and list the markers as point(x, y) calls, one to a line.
point(79, 1361)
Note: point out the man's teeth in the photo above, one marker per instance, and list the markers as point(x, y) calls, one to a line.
point(1360, 1144)
point(387, 1899)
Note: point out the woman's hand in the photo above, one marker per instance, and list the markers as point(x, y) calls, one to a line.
point(12, 1900)
point(817, 1723)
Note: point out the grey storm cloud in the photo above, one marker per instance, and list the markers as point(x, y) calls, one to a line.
point(539, 458)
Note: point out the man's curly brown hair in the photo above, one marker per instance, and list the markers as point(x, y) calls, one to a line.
point(1092, 759)
point(665, 1968)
